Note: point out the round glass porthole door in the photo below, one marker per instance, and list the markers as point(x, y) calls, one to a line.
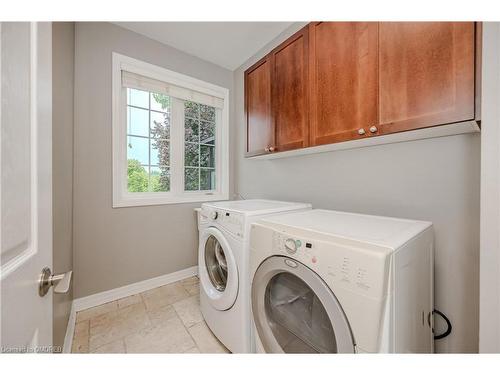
point(295, 311)
point(216, 263)
point(217, 269)
point(296, 316)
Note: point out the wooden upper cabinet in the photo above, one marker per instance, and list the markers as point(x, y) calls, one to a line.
point(426, 74)
point(343, 80)
point(289, 81)
point(340, 81)
point(260, 128)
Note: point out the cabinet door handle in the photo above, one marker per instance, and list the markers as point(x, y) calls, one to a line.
point(361, 131)
point(373, 129)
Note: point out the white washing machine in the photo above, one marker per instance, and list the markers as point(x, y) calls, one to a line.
point(223, 265)
point(337, 282)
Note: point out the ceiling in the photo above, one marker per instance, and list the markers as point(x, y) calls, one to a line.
point(227, 44)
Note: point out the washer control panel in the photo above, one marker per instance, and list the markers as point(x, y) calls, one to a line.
point(233, 222)
point(351, 268)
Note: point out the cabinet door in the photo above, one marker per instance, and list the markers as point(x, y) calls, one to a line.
point(289, 79)
point(260, 129)
point(343, 80)
point(426, 74)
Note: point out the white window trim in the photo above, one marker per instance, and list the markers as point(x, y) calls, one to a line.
point(121, 197)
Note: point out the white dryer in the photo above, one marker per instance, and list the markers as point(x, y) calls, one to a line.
point(337, 282)
point(223, 265)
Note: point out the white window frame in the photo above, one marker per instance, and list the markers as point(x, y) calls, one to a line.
point(121, 196)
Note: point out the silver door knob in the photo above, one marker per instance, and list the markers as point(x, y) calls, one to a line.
point(61, 282)
point(361, 131)
point(373, 129)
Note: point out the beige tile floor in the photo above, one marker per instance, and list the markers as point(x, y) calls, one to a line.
point(162, 320)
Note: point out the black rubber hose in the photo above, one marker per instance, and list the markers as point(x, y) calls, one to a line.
point(448, 329)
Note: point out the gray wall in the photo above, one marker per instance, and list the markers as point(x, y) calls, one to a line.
point(116, 247)
point(63, 37)
point(435, 179)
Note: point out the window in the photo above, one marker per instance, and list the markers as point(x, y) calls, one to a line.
point(148, 141)
point(170, 138)
point(199, 147)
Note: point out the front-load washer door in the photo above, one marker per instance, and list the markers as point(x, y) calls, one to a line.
point(296, 312)
point(218, 269)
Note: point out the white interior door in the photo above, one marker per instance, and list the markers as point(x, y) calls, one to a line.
point(26, 185)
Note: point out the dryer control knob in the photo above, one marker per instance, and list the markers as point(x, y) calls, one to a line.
point(214, 215)
point(290, 246)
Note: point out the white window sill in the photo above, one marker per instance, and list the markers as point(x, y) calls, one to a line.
point(131, 201)
point(434, 132)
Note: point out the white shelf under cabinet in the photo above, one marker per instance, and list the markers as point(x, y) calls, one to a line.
point(413, 135)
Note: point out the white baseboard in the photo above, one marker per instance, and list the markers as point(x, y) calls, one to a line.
point(131, 289)
point(70, 330)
